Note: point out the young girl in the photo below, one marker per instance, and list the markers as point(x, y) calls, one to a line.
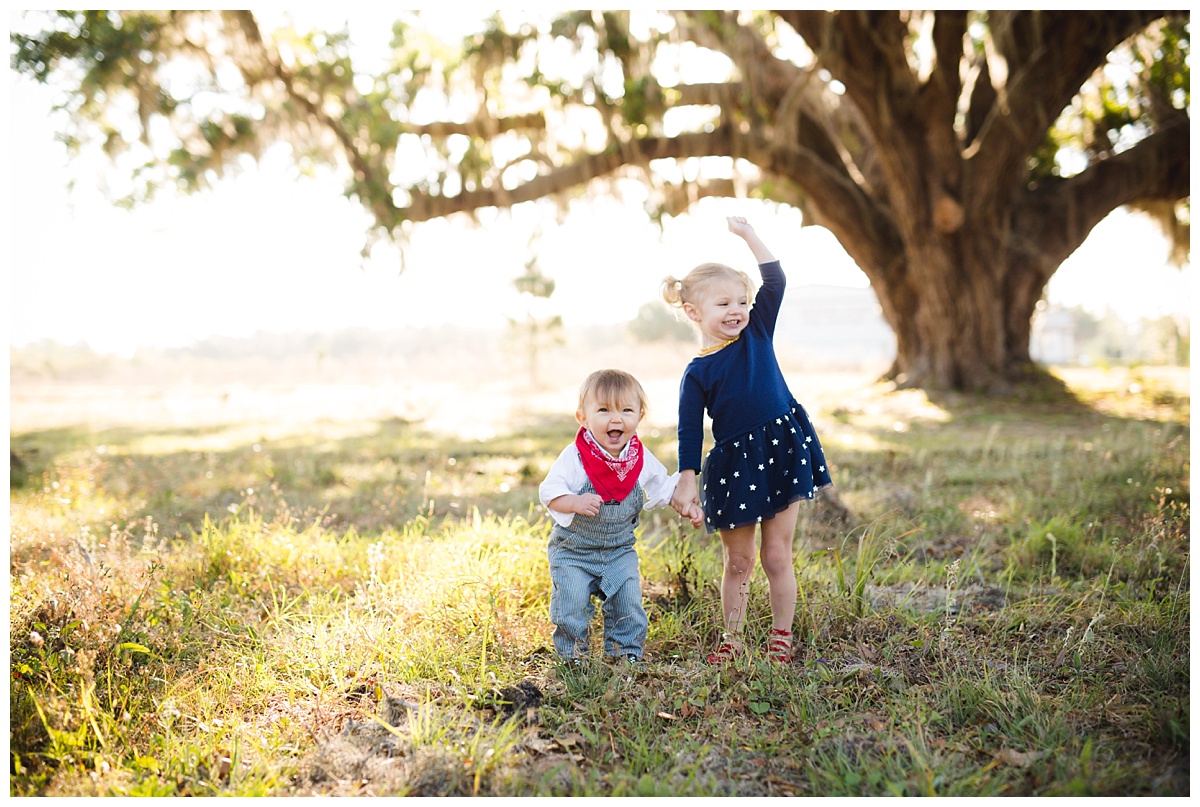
point(595, 491)
point(766, 455)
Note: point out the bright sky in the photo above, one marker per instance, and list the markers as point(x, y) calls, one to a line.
point(264, 253)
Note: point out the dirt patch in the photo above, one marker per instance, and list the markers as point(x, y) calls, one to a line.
point(926, 600)
point(413, 748)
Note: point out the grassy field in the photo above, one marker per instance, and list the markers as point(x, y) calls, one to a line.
point(253, 594)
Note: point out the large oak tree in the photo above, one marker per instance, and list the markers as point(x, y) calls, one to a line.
point(958, 157)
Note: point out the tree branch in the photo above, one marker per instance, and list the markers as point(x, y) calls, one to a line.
point(717, 93)
point(798, 118)
point(423, 207)
point(845, 45)
point(364, 174)
point(1062, 212)
point(1042, 79)
point(479, 128)
point(843, 207)
point(839, 204)
point(883, 88)
point(945, 83)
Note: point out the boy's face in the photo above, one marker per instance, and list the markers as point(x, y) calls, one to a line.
point(612, 424)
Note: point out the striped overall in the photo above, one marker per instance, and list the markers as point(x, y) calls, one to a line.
point(595, 557)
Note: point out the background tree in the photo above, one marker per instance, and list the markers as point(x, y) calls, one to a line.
point(657, 323)
point(534, 331)
point(958, 157)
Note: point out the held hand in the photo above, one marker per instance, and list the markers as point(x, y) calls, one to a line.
point(679, 505)
point(684, 497)
point(691, 510)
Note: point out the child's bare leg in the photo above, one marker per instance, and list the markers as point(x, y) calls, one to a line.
point(738, 552)
point(778, 536)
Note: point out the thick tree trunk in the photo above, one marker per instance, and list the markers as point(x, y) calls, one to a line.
point(962, 320)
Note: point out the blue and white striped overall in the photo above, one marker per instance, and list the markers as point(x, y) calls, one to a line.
point(595, 557)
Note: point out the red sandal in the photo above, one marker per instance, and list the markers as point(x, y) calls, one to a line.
point(724, 654)
point(779, 645)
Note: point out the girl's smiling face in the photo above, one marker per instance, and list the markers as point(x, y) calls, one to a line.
point(612, 424)
point(721, 310)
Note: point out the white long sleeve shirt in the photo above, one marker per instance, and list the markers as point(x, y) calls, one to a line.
point(567, 477)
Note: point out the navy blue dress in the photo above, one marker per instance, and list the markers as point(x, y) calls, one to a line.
point(766, 453)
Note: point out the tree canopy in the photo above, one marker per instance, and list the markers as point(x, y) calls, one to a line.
point(958, 156)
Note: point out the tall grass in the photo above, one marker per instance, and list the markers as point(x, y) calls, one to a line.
point(1002, 608)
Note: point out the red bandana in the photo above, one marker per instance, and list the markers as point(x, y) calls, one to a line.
point(612, 478)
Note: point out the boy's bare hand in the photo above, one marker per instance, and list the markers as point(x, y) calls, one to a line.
point(692, 511)
point(590, 504)
point(580, 504)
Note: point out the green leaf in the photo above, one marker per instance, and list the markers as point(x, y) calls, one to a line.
point(135, 647)
point(146, 763)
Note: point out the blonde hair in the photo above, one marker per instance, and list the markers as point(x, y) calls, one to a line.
point(612, 387)
point(677, 293)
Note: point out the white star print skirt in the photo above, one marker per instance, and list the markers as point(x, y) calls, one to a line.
point(760, 472)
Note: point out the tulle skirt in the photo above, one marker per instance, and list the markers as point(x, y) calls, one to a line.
point(758, 473)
